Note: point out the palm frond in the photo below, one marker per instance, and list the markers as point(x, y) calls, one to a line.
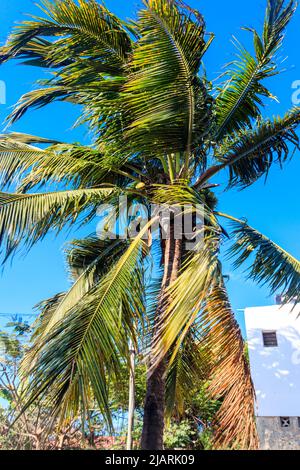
point(250, 153)
point(186, 296)
point(26, 138)
point(45, 309)
point(240, 97)
point(29, 217)
point(87, 25)
point(86, 61)
point(96, 256)
point(34, 53)
point(188, 369)
point(231, 379)
point(270, 264)
point(163, 86)
point(80, 254)
point(91, 342)
point(29, 166)
point(175, 194)
point(79, 83)
point(37, 99)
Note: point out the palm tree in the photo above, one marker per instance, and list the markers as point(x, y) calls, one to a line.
point(161, 132)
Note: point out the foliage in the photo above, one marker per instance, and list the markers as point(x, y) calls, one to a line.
point(119, 392)
point(179, 435)
point(160, 132)
point(32, 431)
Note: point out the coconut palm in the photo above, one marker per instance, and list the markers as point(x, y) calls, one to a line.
point(161, 134)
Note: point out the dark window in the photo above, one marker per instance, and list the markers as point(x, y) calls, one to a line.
point(270, 339)
point(285, 422)
point(299, 422)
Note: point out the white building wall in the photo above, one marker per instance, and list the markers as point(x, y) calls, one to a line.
point(275, 370)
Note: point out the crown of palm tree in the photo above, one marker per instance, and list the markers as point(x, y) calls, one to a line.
point(156, 119)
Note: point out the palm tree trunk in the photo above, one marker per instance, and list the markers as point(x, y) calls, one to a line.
point(154, 408)
point(131, 403)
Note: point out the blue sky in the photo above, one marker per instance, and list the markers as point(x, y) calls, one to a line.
point(272, 208)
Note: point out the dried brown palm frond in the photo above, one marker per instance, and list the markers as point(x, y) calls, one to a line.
point(231, 379)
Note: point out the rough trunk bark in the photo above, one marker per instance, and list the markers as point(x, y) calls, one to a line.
point(154, 408)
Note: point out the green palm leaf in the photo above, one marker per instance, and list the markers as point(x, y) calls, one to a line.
point(163, 86)
point(104, 254)
point(38, 98)
point(88, 260)
point(29, 217)
point(30, 166)
point(19, 137)
point(93, 46)
point(186, 296)
point(76, 84)
point(91, 342)
point(158, 136)
point(35, 53)
point(240, 97)
point(89, 26)
point(188, 369)
point(269, 263)
point(250, 153)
